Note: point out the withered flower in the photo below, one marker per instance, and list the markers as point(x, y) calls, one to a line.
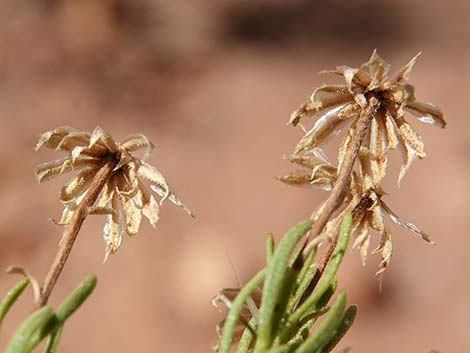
point(124, 197)
point(339, 105)
point(363, 198)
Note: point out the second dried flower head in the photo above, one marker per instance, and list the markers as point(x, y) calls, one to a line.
point(124, 198)
point(336, 106)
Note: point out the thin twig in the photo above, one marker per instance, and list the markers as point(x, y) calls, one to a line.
point(338, 192)
point(72, 230)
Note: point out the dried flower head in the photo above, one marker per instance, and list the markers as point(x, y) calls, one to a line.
point(124, 197)
point(363, 198)
point(338, 105)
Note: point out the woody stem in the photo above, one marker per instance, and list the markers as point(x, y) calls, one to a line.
point(72, 230)
point(338, 193)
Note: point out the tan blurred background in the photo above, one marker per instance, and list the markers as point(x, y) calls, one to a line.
point(213, 83)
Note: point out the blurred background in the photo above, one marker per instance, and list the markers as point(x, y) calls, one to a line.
point(213, 83)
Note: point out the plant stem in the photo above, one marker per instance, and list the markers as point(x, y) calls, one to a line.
point(338, 193)
point(71, 232)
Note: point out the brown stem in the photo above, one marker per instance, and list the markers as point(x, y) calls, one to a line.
point(338, 192)
point(71, 232)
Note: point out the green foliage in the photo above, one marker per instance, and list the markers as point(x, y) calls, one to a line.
point(294, 297)
point(27, 328)
point(44, 322)
point(11, 297)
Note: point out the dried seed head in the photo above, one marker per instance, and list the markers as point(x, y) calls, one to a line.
point(124, 198)
point(336, 106)
point(363, 198)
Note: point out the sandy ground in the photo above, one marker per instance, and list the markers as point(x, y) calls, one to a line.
point(213, 84)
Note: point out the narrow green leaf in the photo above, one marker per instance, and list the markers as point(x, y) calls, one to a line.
point(76, 299)
point(275, 285)
point(343, 327)
point(269, 247)
point(63, 312)
point(305, 276)
point(22, 335)
point(328, 274)
point(11, 297)
point(304, 329)
point(279, 349)
point(54, 339)
point(325, 298)
point(296, 331)
point(246, 339)
point(322, 334)
point(234, 312)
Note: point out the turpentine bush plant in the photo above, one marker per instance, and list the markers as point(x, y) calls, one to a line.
point(277, 310)
point(289, 305)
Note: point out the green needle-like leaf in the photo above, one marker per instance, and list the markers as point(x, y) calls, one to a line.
point(67, 308)
point(11, 297)
point(343, 327)
point(21, 337)
point(54, 339)
point(279, 349)
point(275, 285)
point(234, 313)
point(76, 299)
point(247, 337)
point(323, 333)
point(303, 280)
point(269, 247)
point(328, 274)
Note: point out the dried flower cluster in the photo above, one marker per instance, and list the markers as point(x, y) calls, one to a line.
point(335, 106)
point(124, 197)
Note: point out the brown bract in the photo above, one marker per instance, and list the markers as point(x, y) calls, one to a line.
point(363, 198)
point(124, 198)
point(337, 106)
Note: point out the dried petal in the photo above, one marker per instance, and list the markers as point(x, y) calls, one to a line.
point(410, 137)
point(101, 138)
point(136, 142)
point(76, 185)
point(328, 96)
point(305, 109)
point(403, 74)
point(151, 174)
point(113, 231)
point(378, 70)
point(376, 217)
point(325, 126)
point(52, 138)
point(133, 216)
point(74, 139)
point(49, 170)
point(408, 156)
point(104, 199)
point(172, 197)
point(362, 240)
point(378, 149)
point(407, 225)
point(427, 113)
point(386, 249)
point(392, 139)
point(151, 210)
